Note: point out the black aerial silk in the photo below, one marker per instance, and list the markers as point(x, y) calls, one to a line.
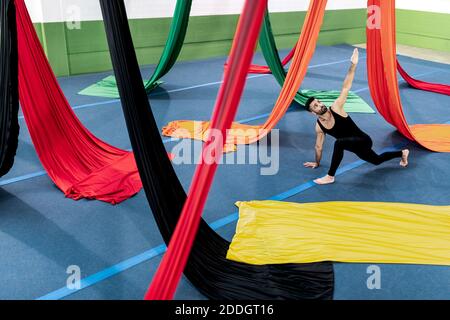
point(9, 99)
point(207, 268)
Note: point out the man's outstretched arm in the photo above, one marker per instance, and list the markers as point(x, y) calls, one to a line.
point(338, 105)
point(318, 148)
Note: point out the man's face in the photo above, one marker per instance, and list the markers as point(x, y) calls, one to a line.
point(317, 107)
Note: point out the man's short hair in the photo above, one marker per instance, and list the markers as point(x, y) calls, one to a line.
point(308, 102)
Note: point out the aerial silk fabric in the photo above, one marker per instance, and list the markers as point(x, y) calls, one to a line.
point(80, 164)
point(267, 39)
point(207, 267)
point(353, 104)
point(422, 85)
point(255, 68)
point(297, 71)
point(276, 67)
point(9, 99)
point(382, 74)
point(418, 84)
point(108, 87)
point(200, 130)
point(269, 49)
point(271, 232)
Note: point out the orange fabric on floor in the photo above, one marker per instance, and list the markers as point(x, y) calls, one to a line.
point(383, 83)
point(199, 130)
point(303, 53)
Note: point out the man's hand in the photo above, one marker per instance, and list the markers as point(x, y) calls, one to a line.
point(355, 57)
point(311, 165)
point(339, 103)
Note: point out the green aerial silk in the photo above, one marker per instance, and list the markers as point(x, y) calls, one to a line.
point(269, 49)
point(108, 87)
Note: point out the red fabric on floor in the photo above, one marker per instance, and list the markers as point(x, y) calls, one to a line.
point(80, 164)
point(422, 85)
point(256, 68)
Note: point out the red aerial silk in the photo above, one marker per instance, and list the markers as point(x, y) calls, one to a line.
point(256, 68)
point(422, 85)
point(169, 272)
point(80, 164)
point(381, 65)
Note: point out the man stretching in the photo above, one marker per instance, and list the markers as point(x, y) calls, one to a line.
point(337, 123)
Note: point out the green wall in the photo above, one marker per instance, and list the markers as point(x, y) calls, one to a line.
point(85, 50)
point(424, 29)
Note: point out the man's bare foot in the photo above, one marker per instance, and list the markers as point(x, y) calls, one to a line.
point(325, 180)
point(404, 161)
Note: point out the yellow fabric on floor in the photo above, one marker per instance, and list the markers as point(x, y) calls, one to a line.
point(273, 232)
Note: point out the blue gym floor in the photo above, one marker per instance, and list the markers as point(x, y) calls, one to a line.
point(118, 248)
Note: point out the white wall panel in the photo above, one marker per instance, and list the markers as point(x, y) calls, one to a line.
point(442, 6)
point(87, 10)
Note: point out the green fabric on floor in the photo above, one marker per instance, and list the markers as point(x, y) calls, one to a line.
point(354, 103)
point(107, 87)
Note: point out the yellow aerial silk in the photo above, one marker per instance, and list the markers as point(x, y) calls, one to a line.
point(272, 232)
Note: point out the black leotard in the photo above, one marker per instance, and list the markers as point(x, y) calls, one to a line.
point(344, 127)
point(350, 137)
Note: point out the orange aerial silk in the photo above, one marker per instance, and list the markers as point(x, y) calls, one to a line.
point(382, 73)
point(245, 134)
